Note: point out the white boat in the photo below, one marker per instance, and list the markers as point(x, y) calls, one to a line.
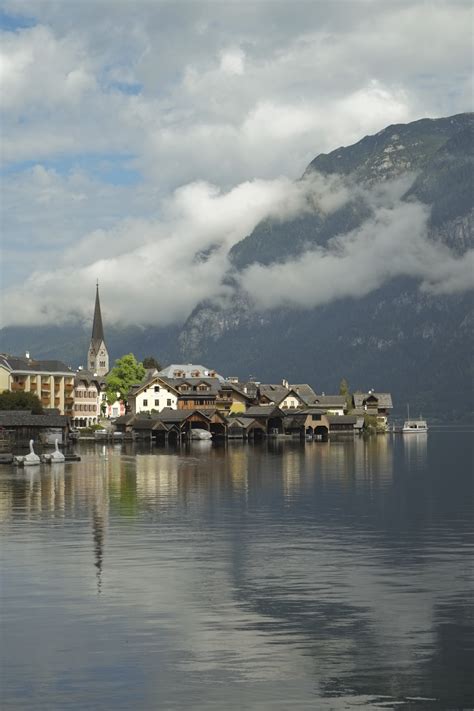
point(415, 426)
point(418, 425)
point(199, 433)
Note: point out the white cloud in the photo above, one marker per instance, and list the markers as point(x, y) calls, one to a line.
point(233, 62)
point(153, 271)
point(194, 93)
point(393, 242)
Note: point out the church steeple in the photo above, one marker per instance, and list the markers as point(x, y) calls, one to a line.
point(97, 328)
point(98, 357)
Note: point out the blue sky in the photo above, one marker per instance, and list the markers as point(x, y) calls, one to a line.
point(135, 138)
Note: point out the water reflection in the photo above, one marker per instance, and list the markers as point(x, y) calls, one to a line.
point(324, 575)
point(415, 446)
point(98, 529)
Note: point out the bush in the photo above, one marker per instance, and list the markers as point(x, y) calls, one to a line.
point(20, 401)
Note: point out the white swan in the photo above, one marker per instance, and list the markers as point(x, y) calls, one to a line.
point(31, 458)
point(57, 456)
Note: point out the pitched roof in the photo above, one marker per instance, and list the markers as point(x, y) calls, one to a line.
point(262, 411)
point(22, 365)
point(275, 393)
point(89, 377)
point(330, 401)
point(242, 422)
point(342, 419)
point(237, 388)
point(124, 419)
point(151, 377)
point(213, 383)
point(187, 369)
point(305, 392)
point(24, 418)
point(384, 399)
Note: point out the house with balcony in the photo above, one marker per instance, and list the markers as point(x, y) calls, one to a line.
point(195, 393)
point(50, 380)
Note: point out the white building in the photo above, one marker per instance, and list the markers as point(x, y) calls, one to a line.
point(153, 394)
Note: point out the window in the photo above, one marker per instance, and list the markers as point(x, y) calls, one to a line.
point(145, 403)
point(168, 403)
point(157, 388)
point(157, 403)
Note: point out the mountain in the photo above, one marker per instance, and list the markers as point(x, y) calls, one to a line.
point(396, 337)
point(392, 335)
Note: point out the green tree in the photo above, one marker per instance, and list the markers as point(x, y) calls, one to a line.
point(344, 390)
point(126, 372)
point(20, 401)
point(151, 362)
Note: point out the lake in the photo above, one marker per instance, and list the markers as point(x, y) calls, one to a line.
point(281, 575)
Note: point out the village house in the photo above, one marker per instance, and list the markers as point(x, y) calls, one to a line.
point(88, 399)
point(279, 395)
point(231, 399)
point(50, 380)
point(371, 403)
point(195, 392)
point(154, 393)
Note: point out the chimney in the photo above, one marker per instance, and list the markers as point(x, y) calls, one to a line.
point(285, 384)
point(27, 355)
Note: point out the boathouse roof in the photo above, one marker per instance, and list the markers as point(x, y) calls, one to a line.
point(25, 418)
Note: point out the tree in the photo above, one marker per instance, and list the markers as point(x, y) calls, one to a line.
point(344, 390)
point(20, 401)
point(151, 362)
point(126, 372)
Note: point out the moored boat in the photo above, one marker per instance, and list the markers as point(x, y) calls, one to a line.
point(415, 426)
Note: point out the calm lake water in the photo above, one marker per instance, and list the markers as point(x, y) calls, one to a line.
point(276, 576)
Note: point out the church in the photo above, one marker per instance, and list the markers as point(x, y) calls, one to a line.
point(98, 356)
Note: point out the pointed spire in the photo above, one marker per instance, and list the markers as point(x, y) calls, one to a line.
point(97, 328)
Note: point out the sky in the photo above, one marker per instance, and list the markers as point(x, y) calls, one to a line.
point(137, 136)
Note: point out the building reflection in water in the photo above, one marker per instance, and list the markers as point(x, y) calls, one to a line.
point(98, 532)
point(415, 446)
point(114, 479)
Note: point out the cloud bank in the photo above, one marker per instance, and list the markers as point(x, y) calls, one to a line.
point(157, 271)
